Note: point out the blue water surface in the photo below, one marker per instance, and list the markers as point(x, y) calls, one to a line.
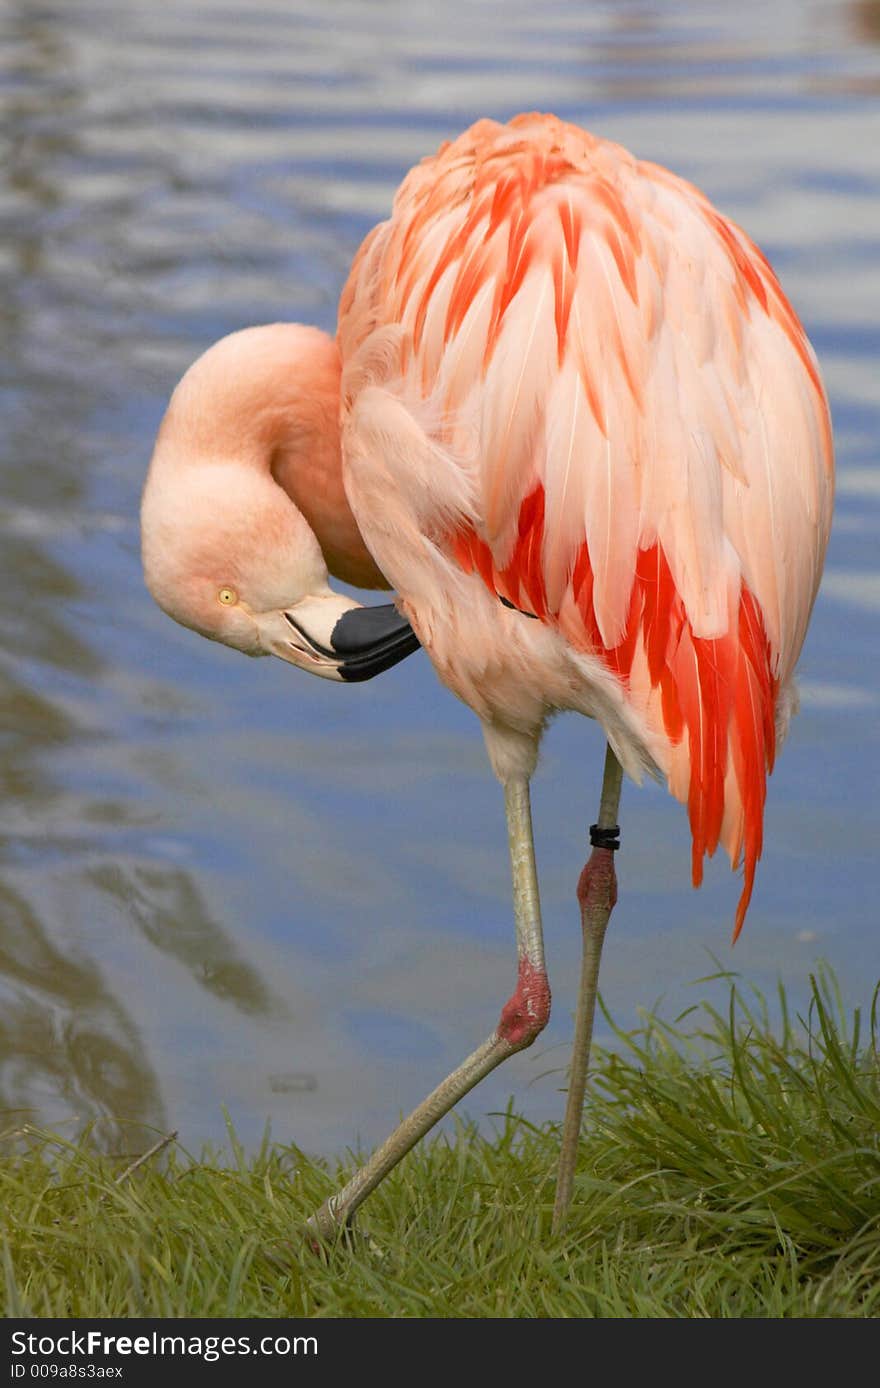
point(222, 883)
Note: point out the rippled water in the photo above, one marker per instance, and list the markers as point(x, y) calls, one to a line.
point(221, 882)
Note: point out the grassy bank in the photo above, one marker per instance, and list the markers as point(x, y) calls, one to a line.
point(734, 1171)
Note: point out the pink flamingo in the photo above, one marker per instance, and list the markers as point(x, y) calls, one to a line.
point(572, 419)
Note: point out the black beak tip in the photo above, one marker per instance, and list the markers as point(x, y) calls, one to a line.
point(370, 640)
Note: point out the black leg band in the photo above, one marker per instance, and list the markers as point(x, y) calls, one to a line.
point(605, 838)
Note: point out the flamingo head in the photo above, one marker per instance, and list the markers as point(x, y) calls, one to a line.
point(226, 550)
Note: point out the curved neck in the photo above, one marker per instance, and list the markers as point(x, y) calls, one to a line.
point(270, 396)
point(306, 461)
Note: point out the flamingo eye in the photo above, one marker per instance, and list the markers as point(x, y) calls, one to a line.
point(227, 596)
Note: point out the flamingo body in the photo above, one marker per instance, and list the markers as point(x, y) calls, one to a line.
point(585, 437)
point(571, 417)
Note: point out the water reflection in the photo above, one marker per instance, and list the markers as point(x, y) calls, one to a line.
point(166, 907)
point(217, 880)
point(66, 1045)
point(866, 19)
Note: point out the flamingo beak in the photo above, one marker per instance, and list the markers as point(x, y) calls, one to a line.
point(336, 638)
point(370, 640)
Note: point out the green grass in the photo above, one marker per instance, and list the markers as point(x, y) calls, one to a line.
point(730, 1171)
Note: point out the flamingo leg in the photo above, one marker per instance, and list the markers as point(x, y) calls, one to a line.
point(597, 894)
point(523, 1016)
